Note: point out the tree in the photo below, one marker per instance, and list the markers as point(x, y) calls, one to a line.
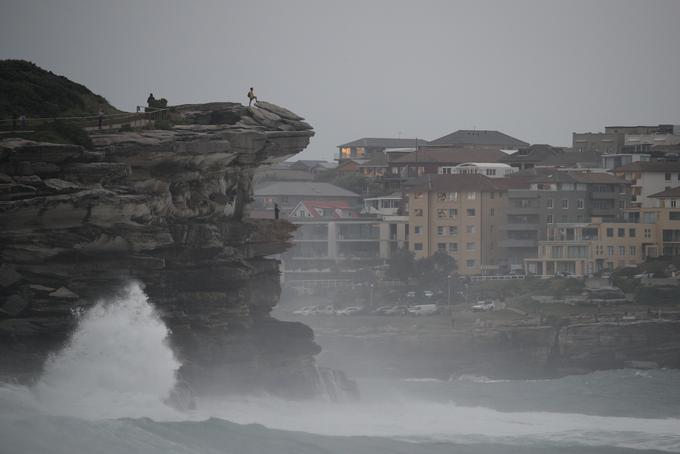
point(402, 265)
point(436, 269)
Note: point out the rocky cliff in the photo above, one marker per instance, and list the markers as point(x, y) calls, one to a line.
point(164, 207)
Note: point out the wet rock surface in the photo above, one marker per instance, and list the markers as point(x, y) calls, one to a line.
point(164, 207)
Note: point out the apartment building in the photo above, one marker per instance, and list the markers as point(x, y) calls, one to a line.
point(459, 215)
point(335, 243)
point(647, 178)
point(582, 249)
point(556, 197)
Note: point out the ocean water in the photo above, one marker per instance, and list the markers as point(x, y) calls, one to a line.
point(107, 392)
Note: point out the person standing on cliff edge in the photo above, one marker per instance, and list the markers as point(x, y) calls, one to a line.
point(251, 96)
point(276, 211)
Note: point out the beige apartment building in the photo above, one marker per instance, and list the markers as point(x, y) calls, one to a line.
point(581, 249)
point(459, 215)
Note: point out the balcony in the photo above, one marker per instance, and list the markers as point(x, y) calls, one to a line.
point(509, 243)
point(527, 226)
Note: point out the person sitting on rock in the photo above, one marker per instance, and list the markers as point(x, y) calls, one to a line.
point(251, 96)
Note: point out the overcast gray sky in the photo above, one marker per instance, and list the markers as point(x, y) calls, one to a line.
point(536, 70)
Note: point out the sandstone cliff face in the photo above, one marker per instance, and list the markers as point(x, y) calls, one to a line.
point(164, 208)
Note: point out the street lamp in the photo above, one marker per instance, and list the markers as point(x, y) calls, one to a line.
point(371, 302)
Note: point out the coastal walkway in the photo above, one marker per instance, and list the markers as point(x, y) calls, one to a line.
point(141, 118)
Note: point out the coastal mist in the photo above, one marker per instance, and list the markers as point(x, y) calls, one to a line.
point(114, 386)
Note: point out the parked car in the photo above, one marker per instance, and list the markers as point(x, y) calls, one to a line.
point(307, 310)
point(397, 310)
point(381, 310)
point(428, 293)
point(328, 310)
point(484, 306)
point(351, 310)
point(423, 309)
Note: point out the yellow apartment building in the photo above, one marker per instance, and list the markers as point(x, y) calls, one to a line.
point(587, 248)
point(459, 215)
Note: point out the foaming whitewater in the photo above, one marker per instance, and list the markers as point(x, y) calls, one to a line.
point(106, 392)
point(117, 363)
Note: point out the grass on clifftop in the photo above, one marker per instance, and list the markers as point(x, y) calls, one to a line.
point(26, 89)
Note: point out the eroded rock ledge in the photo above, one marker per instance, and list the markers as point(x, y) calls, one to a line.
point(164, 207)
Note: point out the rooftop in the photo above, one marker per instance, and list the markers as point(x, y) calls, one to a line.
point(650, 166)
point(478, 137)
point(458, 183)
point(377, 142)
point(450, 156)
point(303, 188)
point(672, 193)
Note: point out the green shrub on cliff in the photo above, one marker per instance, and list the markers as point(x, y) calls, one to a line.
point(26, 89)
point(61, 132)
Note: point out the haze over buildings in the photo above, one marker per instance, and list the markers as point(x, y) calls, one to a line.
point(536, 70)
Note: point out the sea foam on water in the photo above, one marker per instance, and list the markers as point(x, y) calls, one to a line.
point(117, 363)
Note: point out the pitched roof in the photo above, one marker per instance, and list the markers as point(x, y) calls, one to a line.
point(336, 208)
point(384, 143)
point(533, 153)
point(650, 166)
point(579, 177)
point(303, 188)
point(458, 183)
point(478, 137)
point(450, 156)
point(668, 193)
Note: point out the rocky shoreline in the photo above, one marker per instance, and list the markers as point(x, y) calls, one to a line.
point(165, 208)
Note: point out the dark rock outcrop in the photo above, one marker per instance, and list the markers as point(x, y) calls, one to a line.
point(164, 207)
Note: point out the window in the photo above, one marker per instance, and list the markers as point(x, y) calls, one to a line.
point(622, 204)
point(490, 172)
point(633, 251)
point(579, 218)
point(557, 252)
point(418, 246)
point(453, 213)
point(564, 218)
point(631, 233)
point(610, 232)
point(453, 230)
point(418, 195)
point(470, 228)
point(470, 246)
point(673, 203)
point(471, 195)
point(579, 204)
point(667, 177)
point(674, 215)
point(565, 204)
point(470, 263)
point(440, 230)
point(549, 203)
point(648, 233)
point(492, 211)
point(622, 251)
point(418, 211)
point(549, 219)
point(621, 233)
point(610, 250)
point(471, 212)
point(441, 247)
point(418, 229)
point(452, 196)
point(453, 247)
point(441, 213)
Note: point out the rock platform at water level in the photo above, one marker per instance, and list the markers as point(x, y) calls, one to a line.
point(164, 207)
